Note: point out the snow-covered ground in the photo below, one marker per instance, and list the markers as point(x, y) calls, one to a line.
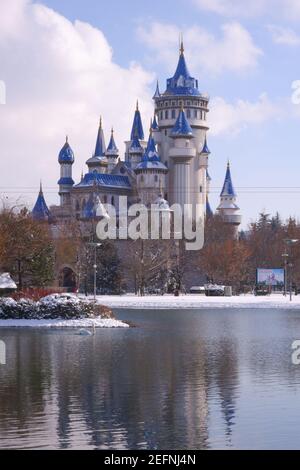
point(82, 323)
point(198, 301)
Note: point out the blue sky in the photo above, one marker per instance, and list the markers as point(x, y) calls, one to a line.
point(245, 58)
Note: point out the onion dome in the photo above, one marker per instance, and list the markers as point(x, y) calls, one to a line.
point(66, 155)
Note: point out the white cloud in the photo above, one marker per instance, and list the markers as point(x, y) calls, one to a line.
point(60, 76)
point(230, 119)
point(290, 9)
point(286, 36)
point(233, 50)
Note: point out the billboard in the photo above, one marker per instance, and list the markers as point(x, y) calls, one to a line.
point(270, 277)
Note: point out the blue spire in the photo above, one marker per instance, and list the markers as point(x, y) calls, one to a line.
point(157, 92)
point(137, 126)
point(151, 159)
point(66, 155)
point(136, 145)
point(182, 83)
point(100, 143)
point(40, 210)
point(228, 189)
point(205, 149)
point(182, 127)
point(154, 123)
point(209, 211)
point(112, 148)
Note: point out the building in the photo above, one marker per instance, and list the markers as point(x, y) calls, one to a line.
point(172, 163)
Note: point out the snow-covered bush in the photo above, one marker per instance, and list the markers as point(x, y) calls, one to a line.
point(63, 306)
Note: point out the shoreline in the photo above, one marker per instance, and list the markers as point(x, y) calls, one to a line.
point(193, 301)
point(61, 323)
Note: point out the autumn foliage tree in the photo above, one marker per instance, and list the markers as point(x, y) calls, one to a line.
point(26, 248)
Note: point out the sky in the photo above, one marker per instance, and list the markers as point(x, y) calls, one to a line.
point(66, 62)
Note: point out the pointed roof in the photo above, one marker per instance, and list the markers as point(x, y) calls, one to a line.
point(112, 149)
point(137, 126)
point(205, 149)
point(40, 210)
point(157, 92)
point(151, 159)
point(209, 211)
point(228, 189)
point(154, 123)
point(66, 155)
point(182, 127)
point(135, 146)
point(100, 142)
point(182, 83)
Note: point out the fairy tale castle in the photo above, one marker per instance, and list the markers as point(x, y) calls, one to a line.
point(171, 166)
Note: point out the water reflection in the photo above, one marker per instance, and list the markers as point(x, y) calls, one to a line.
point(181, 380)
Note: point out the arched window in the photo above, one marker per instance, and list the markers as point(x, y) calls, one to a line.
point(166, 114)
point(112, 201)
point(173, 114)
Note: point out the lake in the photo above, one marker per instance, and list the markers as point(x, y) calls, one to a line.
point(182, 379)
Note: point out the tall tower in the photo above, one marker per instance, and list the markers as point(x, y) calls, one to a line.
point(182, 92)
point(98, 162)
point(112, 153)
point(66, 182)
point(228, 208)
point(182, 154)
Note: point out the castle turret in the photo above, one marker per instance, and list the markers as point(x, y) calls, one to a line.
point(182, 154)
point(182, 92)
point(136, 140)
point(66, 182)
point(228, 208)
point(112, 153)
point(151, 174)
point(98, 162)
point(40, 211)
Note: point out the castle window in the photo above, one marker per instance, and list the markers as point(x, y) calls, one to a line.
point(173, 103)
point(161, 115)
point(105, 199)
point(166, 114)
point(201, 189)
point(142, 178)
point(195, 113)
point(173, 114)
point(156, 178)
point(166, 103)
point(188, 113)
point(188, 103)
point(112, 201)
point(166, 132)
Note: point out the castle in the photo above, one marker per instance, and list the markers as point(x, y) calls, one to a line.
point(172, 164)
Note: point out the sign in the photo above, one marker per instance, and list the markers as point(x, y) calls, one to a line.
point(270, 277)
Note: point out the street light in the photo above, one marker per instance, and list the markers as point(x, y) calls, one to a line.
point(290, 242)
point(95, 245)
point(285, 256)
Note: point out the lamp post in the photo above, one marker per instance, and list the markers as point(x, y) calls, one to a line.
point(95, 245)
point(290, 242)
point(285, 256)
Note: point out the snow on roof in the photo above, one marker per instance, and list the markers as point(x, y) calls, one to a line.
point(6, 282)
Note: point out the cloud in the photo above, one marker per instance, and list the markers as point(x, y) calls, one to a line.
point(233, 50)
point(227, 118)
point(60, 76)
point(290, 9)
point(286, 36)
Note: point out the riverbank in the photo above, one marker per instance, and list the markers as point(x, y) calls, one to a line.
point(166, 302)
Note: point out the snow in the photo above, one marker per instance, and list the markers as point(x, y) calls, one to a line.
point(200, 302)
point(6, 282)
point(81, 323)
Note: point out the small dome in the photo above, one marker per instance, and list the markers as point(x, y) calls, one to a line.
point(66, 155)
